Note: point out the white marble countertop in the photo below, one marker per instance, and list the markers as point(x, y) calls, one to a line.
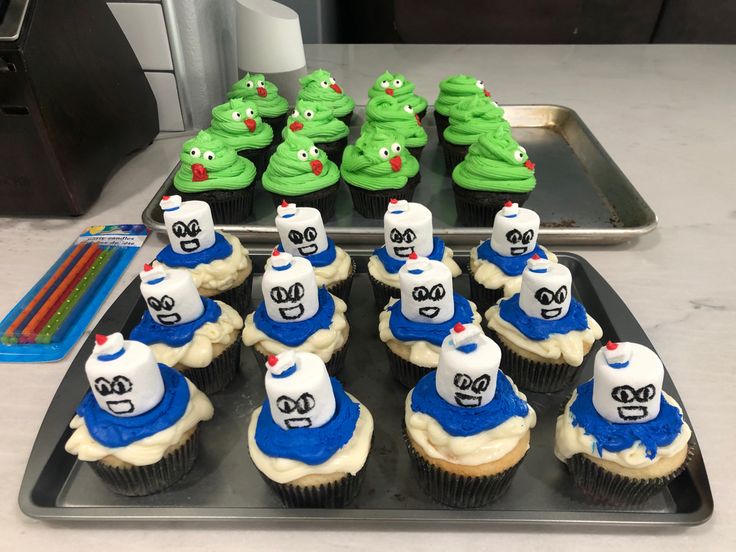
point(664, 113)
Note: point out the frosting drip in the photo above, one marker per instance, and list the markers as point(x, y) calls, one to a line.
point(220, 250)
point(148, 331)
point(537, 329)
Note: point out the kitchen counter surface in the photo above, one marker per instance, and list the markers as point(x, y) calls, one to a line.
point(664, 113)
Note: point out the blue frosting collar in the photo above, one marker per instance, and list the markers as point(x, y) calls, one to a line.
point(613, 437)
point(324, 258)
point(511, 266)
point(311, 445)
point(149, 331)
point(221, 249)
point(407, 330)
point(392, 265)
point(537, 329)
point(296, 333)
point(113, 431)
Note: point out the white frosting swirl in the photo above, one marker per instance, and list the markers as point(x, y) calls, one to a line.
point(208, 342)
point(491, 276)
point(571, 440)
point(484, 447)
point(348, 459)
point(571, 347)
point(145, 451)
point(379, 272)
point(421, 353)
point(322, 343)
point(335, 272)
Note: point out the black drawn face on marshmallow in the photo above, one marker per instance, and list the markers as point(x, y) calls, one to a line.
point(300, 406)
point(402, 242)
point(630, 397)
point(113, 388)
point(520, 243)
point(304, 241)
point(434, 294)
point(190, 230)
point(551, 299)
point(470, 391)
point(164, 305)
point(291, 296)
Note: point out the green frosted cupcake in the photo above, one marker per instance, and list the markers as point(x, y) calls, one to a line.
point(273, 108)
point(212, 171)
point(320, 87)
point(496, 170)
point(397, 86)
point(377, 168)
point(301, 173)
point(239, 124)
point(469, 119)
point(391, 114)
point(454, 89)
point(316, 121)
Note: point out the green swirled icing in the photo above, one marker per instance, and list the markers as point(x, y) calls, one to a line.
point(456, 88)
point(320, 87)
point(496, 163)
point(472, 117)
point(299, 167)
point(239, 124)
point(265, 94)
point(208, 163)
point(387, 113)
point(397, 85)
point(371, 163)
point(316, 121)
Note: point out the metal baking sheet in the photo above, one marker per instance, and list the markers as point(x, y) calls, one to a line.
point(224, 484)
point(581, 195)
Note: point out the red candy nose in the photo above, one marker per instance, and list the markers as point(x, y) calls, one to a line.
point(199, 173)
point(262, 92)
point(459, 327)
point(529, 165)
point(336, 88)
point(487, 93)
point(316, 166)
point(296, 125)
point(100, 339)
point(390, 91)
point(395, 163)
point(251, 124)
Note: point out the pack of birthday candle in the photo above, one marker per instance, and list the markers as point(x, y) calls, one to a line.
point(52, 316)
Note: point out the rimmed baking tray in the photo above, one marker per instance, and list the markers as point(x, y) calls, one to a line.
point(581, 195)
point(224, 484)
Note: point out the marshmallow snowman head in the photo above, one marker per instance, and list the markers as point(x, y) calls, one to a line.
point(170, 295)
point(468, 367)
point(188, 224)
point(407, 229)
point(515, 230)
point(545, 289)
point(426, 290)
point(301, 230)
point(627, 383)
point(299, 390)
point(290, 288)
point(124, 376)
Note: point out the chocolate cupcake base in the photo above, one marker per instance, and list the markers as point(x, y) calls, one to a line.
point(372, 203)
point(416, 152)
point(483, 297)
point(342, 288)
point(277, 124)
point(323, 200)
point(476, 208)
point(334, 150)
point(405, 372)
point(257, 157)
point(334, 365)
point(346, 118)
point(442, 122)
point(219, 373)
point(337, 494)
point(227, 206)
point(382, 292)
point(237, 297)
point(146, 480)
point(454, 155)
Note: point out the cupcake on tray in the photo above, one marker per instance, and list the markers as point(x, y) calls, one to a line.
point(302, 234)
point(378, 168)
point(320, 87)
point(623, 438)
point(310, 439)
point(496, 264)
point(414, 326)
point(543, 332)
point(273, 108)
point(192, 334)
point(212, 171)
point(300, 172)
point(495, 170)
point(238, 123)
point(466, 426)
point(407, 229)
point(316, 121)
point(469, 120)
point(393, 115)
point(397, 86)
point(453, 90)
point(296, 314)
point(138, 425)
point(217, 262)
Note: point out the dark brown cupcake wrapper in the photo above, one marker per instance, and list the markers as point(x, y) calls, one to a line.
point(416, 152)
point(323, 200)
point(373, 203)
point(277, 124)
point(146, 480)
point(405, 372)
point(227, 206)
point(442, 122)
point(219, 373)
point(454, 155)
point(342, 288)
point(382, 292)
point(257, 157)
point(458, 491)
point(237, 297)
point(334, 150)
point(603, 486)
point(483, 297)
point(334, 365)
point(529, 375)
point(346, 118)
point(476, 208)
point(337, 494)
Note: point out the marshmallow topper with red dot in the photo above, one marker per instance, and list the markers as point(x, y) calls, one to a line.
point(301, 230)
point(407, 228)
point(426, 290)
point(170, 295)
point(515, 230)
point(189, 224)
point(545, 289)
point(289, 288)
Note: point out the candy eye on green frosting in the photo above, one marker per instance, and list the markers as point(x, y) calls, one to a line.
point(456, 88)
point(265, 94)
point(388, 113)
point(397, 86)
point(315, 121)
point(321, 87)
point(238, 124)
point(472, 117)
